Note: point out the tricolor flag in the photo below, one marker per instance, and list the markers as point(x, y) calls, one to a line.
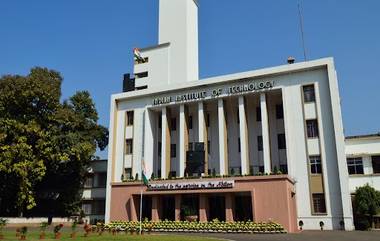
point(137, 54)
point(144, 178)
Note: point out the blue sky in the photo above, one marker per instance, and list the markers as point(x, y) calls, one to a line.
point(90, 42)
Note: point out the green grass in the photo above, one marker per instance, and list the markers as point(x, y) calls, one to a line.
point(34, 235)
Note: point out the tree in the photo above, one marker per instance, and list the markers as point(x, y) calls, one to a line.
point(45, 145)
point(366, 204)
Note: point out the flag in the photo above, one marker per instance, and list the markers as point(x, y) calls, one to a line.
point(144, 178)
point(137, 54)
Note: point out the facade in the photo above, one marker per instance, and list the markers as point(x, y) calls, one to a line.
point(363, 161)
point(94, 193)
point(262, 145)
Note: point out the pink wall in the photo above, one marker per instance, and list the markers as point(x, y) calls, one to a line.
point(272, 198)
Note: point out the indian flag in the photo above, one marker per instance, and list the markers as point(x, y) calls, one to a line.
point(143, 174)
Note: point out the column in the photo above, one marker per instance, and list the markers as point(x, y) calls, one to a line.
point(183, 139)
point(203, 209)
point(149, 142)
point(177, 215)
point(229, 207)
point(223, 149)
point(165, 140)
point(202, 132)
point(265, 133)
point(244, 155)
point(155, 207)
point(133, 206)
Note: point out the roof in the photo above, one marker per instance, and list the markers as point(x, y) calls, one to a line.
point(363, 136)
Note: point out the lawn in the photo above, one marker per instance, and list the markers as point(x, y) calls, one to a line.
point(34, 235)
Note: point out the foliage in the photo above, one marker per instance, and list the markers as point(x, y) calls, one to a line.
point(24, 230)
point(3, 223)
point(366, 205)
point(45, 145)
point(74, 225)
point(58, 228)
point(203, 227)
point(43, 226)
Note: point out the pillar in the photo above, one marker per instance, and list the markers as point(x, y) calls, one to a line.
point(183, 138)
point(177, 214)
point(149, 142)
point(203, 208)
point(265, 134)
point(202, 132)
point(133, 205)
point(165, 140)
point(155, 209)
point(244, 153)
point(223, 149)
point(229, 207)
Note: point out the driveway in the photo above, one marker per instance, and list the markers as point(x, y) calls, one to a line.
point(303, 236)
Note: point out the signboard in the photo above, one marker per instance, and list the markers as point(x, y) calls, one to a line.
point(191, 185)
point(213, 93)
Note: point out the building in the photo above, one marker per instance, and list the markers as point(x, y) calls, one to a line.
point(94, 192)
point(262, 145)
point(363, 162)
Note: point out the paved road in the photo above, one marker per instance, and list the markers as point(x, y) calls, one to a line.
point(304, 236)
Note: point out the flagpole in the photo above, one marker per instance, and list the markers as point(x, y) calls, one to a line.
point(141, 197)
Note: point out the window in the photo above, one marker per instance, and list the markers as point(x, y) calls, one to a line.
point(308, 93)
point(259, 143)
point(315, 165)
point(141, 75)
point(281, 141)
point(190, 122)
point(173, 124)
point(355, 165)
point(376, 164)
point(89, 182)
point(98, 207)
point(190, 146)
point(129, 118)
point(86, 207)
point(261, 169)
point(129, 146)
point(312, 128)
point(128, 173)
point(279, 112)
point(258, 114)
point(208, 147)
point(160, 122)
point(208, 120)
point(319, 205)
point(239, 147)
point(141, 60)
point(173, 150)
point(102, 179)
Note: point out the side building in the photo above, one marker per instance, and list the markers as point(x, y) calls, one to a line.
point(94, 192)
point(363, 162)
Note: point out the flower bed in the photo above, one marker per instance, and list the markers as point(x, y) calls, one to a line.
point(214, 226)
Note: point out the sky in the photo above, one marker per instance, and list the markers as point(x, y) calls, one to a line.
point(90, 42)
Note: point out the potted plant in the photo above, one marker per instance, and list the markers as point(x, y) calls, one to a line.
point(87, 229)
point(23, 232)
point(321, 224)
point(100, 228)
point(189, 213)
point(3, 222)
point(43, 226)
point(300, 223)
point(57, 228)
point(73, 229)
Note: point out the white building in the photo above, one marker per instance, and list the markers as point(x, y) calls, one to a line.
point(225, 132)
